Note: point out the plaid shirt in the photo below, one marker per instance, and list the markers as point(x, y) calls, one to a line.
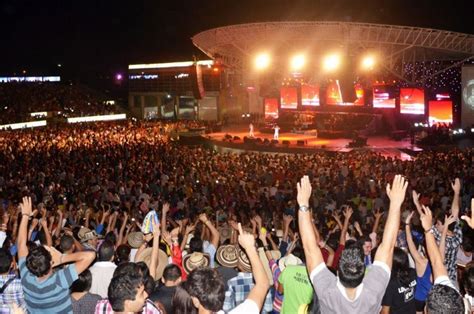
point(12, 294)
point(104, 307)
point(239, 289)
point(451, 251)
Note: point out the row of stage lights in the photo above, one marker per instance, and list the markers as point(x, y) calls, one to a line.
point(330, 63)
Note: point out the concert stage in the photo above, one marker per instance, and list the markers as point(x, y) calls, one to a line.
point(237, 139)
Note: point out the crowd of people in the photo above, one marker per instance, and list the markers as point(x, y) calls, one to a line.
point(19, 100)
point(115, 218)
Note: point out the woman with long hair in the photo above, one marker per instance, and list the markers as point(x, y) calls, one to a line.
point(400, 294)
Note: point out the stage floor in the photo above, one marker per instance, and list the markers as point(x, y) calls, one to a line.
point(381, 144)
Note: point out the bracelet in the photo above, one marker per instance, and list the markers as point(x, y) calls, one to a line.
point(429, 230)
point(26, 215)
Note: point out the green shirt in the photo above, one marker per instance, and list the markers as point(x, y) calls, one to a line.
point(297, 288)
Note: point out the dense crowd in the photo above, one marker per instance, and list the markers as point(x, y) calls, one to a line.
point(115, 218)
point(18, 100)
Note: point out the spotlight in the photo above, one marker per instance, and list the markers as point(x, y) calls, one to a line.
point(262, 61)
point(298, 62)
point(331, 62)
point(368, 62)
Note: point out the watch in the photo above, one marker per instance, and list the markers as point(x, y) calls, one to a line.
point(304, 208)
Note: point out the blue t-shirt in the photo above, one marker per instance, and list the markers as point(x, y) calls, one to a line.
point(51, 295)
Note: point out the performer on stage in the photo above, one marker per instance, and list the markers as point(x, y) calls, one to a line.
point(251, 134)
point(277, 130)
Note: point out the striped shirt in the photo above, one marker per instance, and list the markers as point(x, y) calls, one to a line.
point(50, 295)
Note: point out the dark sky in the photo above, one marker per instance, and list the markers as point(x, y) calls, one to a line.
point(103, 36)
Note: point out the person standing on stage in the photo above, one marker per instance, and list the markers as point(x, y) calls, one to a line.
point(251, 134)
point(277, 130)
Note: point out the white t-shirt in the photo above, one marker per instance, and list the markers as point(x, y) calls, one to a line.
point(102, 273)
point(247, 307)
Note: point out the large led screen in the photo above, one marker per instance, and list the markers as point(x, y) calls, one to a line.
point(412, 100)
point(359, 90)
point(333, 93)
point(271, 108)
point(440, 111)
point(289, 97)
point(309, 95)
point(467, 110)
point(381, 97)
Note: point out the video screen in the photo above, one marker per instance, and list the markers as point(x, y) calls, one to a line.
point(359, 90)
point(467, 118)
point(440, 111)
point(271, 108)
point(333, 93)
point(309, 95)
point(412, 100)
point(289, 97)
point(381, 97)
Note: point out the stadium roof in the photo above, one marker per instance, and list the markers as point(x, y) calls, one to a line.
point(236, 45)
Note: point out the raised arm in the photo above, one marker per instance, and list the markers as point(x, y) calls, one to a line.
point(154, 251)
point(378, 215)
point(435, 257)
point(308, 237)
point(81, 260)
point(23, 232)
point(47, 234)
point(214, 232)
point(442, 244)
point(164, 213)
point(470, 220)
point(59, 227)
point(347, 216)
point(396, 193)
point(455, 204)
point(122, 229)
point(419, 259)
point(416, 201)
point(259, 291)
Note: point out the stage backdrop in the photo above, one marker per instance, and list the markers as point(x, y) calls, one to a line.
point(467, 111)
point(382, 97)
point(440, 111)
point(309, 95)
point(412, 100)
point(289, 97)
point(271, 108)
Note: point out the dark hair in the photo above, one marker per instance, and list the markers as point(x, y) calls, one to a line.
point(149, 283)
point(122, 288)
point(66, 242)
point(443, 299)
point(182, 302)
point(441, 215)
point(5, 260)
point(122, 254)
point(467, 244)
point(110, 236)
point(468, 280)
point(38, 261)
point(195, 245)
point(299, 252)
point(171, 272)
point(106, 251)
point(82, 283)
point(125, 268)
point(207, 286)
point(351, 266)
point(401, 267)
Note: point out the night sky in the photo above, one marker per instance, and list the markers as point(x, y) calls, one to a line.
point(104, 36)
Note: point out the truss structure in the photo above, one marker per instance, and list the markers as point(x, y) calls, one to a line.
point(236, 45)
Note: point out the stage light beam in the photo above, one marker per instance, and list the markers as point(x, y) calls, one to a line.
point(368, 62)
point(331, 62)
point(298, 62)
point(262, 61)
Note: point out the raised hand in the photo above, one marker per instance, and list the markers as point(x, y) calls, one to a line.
point(409, 217)
point(26, 208)
point(470, 220)
point(416, 197)
point(348, 212)
point(456, 186)
point(287, 219)
point(246, 240)
point(378, 213)
point(304, 191)
point(203, 218)
point(55, 255)
point(396, 192)
point(190, 228)
point(156, 229)
point(426, 218)
point(258, 220)
point(448, 220)
point(166, 208)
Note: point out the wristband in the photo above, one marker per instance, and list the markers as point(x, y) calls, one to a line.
point(26, 215)
point(429, 230)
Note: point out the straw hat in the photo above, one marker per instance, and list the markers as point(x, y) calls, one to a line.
point(195, 260)
point(289, 260)
point(145, 257)
point(243, 261)
point(226, 256)
point(86, 234)
point(135, 239)
point(225, 233)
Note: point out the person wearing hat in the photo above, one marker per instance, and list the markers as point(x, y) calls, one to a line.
point(89, 239)
point(227, 258)
point(240, 286)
